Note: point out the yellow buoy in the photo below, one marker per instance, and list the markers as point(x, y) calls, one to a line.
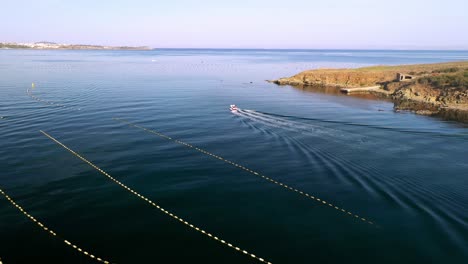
point(32, 85)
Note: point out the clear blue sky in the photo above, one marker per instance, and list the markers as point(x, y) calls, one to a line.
point(354, 24)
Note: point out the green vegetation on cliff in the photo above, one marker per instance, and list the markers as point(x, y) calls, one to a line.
point(453, 78)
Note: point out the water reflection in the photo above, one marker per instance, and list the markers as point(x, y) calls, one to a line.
point(333, 90)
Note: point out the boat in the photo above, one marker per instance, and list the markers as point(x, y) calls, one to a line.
point(233, 108)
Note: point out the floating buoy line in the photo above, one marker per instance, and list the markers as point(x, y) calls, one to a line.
point(30, 94)
point(252, 172)
point(50, 231)
point(147, 200)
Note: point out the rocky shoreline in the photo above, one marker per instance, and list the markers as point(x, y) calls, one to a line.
point(428, 89)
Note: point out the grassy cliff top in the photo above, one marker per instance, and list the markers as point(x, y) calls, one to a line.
point(417, 67)
point(370, 76)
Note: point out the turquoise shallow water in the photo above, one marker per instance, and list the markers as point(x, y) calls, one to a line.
point(405, 173)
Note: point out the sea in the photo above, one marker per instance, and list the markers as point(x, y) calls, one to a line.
point(135, 157)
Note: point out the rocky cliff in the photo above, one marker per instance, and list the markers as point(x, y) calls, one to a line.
point(339, 77)
point(429, 89)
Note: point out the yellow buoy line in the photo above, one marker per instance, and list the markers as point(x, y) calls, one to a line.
point(147, 200)
point(51, 232)
point(320, 201)
point(30, 94)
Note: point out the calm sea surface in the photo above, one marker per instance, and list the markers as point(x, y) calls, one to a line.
point(402, 177)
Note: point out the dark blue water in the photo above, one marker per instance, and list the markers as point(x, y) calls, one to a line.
point(405, 173)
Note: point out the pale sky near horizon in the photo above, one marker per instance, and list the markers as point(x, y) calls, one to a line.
point(305, 24)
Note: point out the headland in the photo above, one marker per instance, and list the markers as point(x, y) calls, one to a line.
point(429, 89)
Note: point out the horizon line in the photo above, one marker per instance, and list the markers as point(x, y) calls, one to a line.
point(341, 49)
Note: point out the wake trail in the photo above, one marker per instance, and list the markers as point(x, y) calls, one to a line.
point(369, 178)
point(462, 136)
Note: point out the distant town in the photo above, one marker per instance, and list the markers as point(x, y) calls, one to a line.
point(44, 45)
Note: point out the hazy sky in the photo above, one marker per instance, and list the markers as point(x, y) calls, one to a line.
point(354, 24)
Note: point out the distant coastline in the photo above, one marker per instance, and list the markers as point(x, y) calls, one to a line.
point(57, 46)
point(439, 89)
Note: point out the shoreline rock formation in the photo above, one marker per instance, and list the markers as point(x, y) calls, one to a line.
point(428, 89)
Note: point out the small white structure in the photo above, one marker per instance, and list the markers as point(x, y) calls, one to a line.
point(404, 77)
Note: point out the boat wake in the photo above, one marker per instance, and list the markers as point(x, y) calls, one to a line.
point(309, 129)
point(352, 124)
point(349, 159)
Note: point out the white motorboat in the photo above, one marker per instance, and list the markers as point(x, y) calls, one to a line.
point(233, 108)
